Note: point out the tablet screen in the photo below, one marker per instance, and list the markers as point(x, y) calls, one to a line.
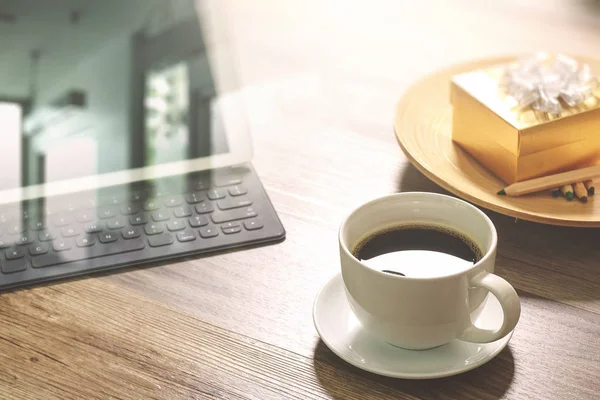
point(95, 87)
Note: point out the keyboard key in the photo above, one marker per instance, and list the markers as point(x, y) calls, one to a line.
point(138, 219)
point(198, 221)
point(84, 216)
point(107, 212)
point(208, 232)
point(70, 207)
point(61, 245)
point(173, 201)
point(137, 195)
point(233, 215)
point(62, 220)
point(116, 223)
point(186, 236)
point(46, 236)
point(8, 267)
point(182, 211)
point(253, 225)
point(154, 229)
point(4, 217)
point(228, 230)
point(51, 208)
point(161, 215)
point(164, 239)
point(226, 180)
point(76, 254)
point(128, 209)
point(14, 253)
point(176, 225)
point(37, 225)
point(85, 241)
point(131, 233)
point(24, 239)
point(204, 208)
point(89, 202)
point(160, 191)
point(216, 194)
point(94, 227)
point(237, 191)
point(4, 243)
point(69, 231)
point(194, 197)
point(108, 237)
point(39, 249)
point(114, 200)
point(236, 202)
point(16, 229)
point(151, 205)
point(202, 184)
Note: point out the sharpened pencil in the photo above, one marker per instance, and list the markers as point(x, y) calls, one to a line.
point(580, 192)
point(589, 185)
point(567, 190)
point(551, 181)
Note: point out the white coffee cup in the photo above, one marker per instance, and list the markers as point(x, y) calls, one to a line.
point(424, 311)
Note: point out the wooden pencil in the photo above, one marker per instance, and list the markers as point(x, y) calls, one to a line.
point(589, 185)
point(567, 190)
point(580, 191)
point(547, 182)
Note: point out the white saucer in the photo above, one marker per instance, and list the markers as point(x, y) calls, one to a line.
point(343, 334)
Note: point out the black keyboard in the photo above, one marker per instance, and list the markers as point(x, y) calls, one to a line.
point(118, 226)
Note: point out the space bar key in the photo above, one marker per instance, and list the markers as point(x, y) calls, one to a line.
point(84, 253)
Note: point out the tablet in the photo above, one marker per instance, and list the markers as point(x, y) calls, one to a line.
point(100, 93)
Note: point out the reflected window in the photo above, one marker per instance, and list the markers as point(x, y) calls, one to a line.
point(10, 128)
point(167, 114)
point(97, 87)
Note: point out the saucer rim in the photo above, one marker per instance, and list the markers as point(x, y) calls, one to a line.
point(502, 343)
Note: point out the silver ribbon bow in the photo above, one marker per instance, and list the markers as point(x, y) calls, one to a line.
point(541, 84)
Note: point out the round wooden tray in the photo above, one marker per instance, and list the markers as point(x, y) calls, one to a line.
point(424, 131)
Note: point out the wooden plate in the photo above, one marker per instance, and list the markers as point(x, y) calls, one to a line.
point(424, 128)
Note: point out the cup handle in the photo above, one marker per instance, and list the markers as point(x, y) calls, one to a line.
point(511, 307)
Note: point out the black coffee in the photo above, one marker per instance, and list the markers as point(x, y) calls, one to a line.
point(418, 250)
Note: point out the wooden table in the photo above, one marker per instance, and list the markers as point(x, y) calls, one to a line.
point(321, 79)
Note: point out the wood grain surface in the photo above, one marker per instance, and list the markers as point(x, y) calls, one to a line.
point(321, 79)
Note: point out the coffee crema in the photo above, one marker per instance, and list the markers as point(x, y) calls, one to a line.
point(418, 250)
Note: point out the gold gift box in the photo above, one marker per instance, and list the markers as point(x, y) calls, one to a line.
point(520, 144)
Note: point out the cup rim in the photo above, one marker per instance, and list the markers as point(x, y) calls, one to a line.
point(381, 199)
